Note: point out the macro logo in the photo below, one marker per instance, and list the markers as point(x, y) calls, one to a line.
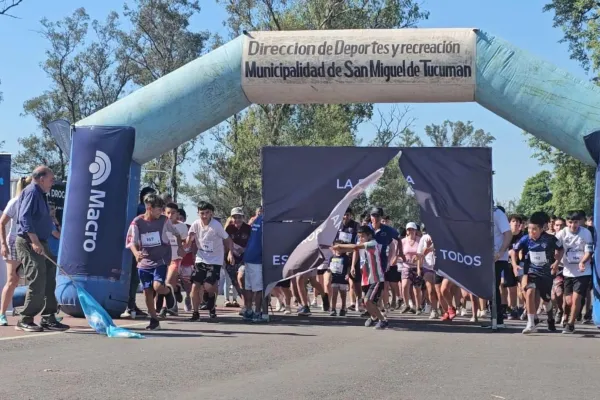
point(100, 170)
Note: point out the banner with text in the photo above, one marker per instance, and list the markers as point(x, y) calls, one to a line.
point(5, 161)
point(93, 235)
point(351, 66)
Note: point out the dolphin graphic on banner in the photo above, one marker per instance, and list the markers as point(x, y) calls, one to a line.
point(314, 250)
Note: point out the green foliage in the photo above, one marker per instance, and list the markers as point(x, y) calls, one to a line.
point(457, 134)
point(536, 195)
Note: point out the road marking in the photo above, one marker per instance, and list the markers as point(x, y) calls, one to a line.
point(37, 335)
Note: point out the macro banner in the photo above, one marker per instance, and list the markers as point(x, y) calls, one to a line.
point(279, 241)
point(5, 161)
point(354, 66)
point(453, 187)
point(592, 143)
point(314, 249)
point(305, 183)
point(93, 234)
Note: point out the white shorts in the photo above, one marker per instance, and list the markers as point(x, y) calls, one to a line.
point(342, 287)
point(12, 249)
point(253, 277)
point(241, 269)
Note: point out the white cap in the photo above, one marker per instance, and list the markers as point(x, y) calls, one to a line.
point(237, 211)
point(411, 225)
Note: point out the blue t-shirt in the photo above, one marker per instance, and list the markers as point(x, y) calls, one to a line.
point(384, 236)
point(253, 253)
point(539, 254)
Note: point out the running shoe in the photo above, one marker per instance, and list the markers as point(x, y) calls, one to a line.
point(260, 318)
point(187, 304)
point(139, 313)
point(173, 311)
point(28, 327)
point(314, 302)
point(304, 312)
point(51, 324)
point(3, 320)
point(342, 313)
point(381, 325)
point(551, 325)
point(288, 310)
point(394, 305)
point(529, 329)
point(195, 317)
point(333, 313)
point(351, 307)
point(128, 314)
point(434, 314)
point(463, 311)
point(212, 313)
point(513, 316)
point(178, 295)
point(163, 313)
point(370, 322)
point(405, 309)
point(154, 325)
point(248, 315)
point(445, 317)
point(427, 309)
point(473, 319)
point(569, 329)
point(451, 313)
point(365, 314)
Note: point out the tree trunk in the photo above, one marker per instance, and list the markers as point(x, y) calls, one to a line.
point(174, 175)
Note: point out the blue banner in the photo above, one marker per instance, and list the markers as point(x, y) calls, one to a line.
point(95, 212)
point(4, 180)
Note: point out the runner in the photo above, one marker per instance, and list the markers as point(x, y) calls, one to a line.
point(212, 241)
point(148, 241)
point(187, 266)
point(578, 247)
point(348, 234)
point(425, 265)
point(385, 235)
point(516, 229)
point(411, 281)
point(253, 295)
point(372, 273)
point(558, 284)
point(172, 213)
point(339, 266)
point(542, 253)
point(239, 231)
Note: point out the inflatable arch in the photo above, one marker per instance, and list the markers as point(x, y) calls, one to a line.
point(346, 66)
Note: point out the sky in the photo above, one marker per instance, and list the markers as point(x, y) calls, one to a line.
point(521, 22)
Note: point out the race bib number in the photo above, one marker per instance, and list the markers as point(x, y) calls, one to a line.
point(172, 239)
point(345, 237)
point(207, 247)
point(336, 266)
point(574, 256)
point(151, 239)
point(538, 258)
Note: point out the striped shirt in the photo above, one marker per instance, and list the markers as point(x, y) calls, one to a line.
point(370, 263)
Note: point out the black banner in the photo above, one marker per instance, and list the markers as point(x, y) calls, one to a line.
point(305, 183)
point(279, 241)
point(57, 195)
point(454, 189)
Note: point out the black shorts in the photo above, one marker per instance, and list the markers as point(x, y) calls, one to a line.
point(373, 291)
point(339, 279)
point(393, 275)
point(438, 279)
point(206, 273)
point(510, 280)
point(543, 284)
point(322, 271)
point(579, 285)
point(357, 277)
point(284, 284)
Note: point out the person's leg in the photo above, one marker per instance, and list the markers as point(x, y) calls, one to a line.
point(51, 305)
point(433, 298)
point(334, 298)
point(34, 270)
point(134, 283)
point(12, 281)
point(372, 298)
point(343, 297)
point(499, 267)
point(447, 295)
point(407, 292)
point(530, 295)
point(318, 288)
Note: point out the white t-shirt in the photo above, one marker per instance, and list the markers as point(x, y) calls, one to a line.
point(209, 240)
point(11, 210)
point(183, 231)
point(575, 245)
point(429, 260)
point(501, 226)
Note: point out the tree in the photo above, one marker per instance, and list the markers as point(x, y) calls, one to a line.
point(7, 5)
point(457, 134)
point(579, 23)
point(160, 42)
point(83, 79)
point(571, 181)
point(536, 195)
point(229, 174)
point(510, 206)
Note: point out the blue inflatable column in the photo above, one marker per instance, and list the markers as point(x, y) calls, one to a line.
point(98, 205)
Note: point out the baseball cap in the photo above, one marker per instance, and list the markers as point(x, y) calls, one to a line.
point(411, 225)
point(376, 210)
point(237, 211)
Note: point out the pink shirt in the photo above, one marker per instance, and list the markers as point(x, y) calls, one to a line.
point(410, 250)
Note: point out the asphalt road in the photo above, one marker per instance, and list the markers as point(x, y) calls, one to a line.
point(319, 357)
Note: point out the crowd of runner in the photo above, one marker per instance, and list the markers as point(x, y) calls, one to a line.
point(543, 265)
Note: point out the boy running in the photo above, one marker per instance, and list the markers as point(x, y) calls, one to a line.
point(148, 240)
point(372, 273)
point(542, 253)
point(339, 266)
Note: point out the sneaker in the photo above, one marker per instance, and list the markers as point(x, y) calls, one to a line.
point(163, 313)
point(128, 314)
point(405, 309)
point(212, 314)
point(260, 318)
point(28, 327)
point(394, 305)
point(342, 313)
point(434, 314)
point(587, 320)
point(187, 304)
point(536, 322)
point(235, 304)
point(451, 313)
point(242, 312)
point(498, 326)
point(352, 307)
point(365, 314)
point(304, 312)
point(551, 325)
point(173, 311)
point(529, 329)
point(314, 302)
point(513, 316)
point(370, 322)
point(227, 304)
point(333, 313)
point(463, 311)
point(288, 310)
point(3, 320)
point(427, 309)
point(195, 317)
point(178, 295)
point(204, 306)
point(153, 325)
point(139, 313)
point(419, 311)
point(248, 315)
point(52, 324)
point(381, 325)
point(523, 316)
point(473, 319)
point(445, 317)
point(569, 329)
